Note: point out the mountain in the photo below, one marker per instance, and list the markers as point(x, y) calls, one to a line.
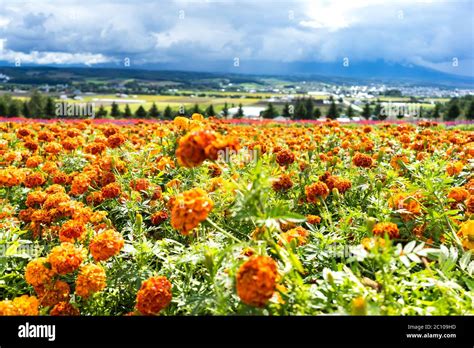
point(247, 71)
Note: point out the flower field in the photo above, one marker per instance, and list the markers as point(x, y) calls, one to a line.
point(207, 217)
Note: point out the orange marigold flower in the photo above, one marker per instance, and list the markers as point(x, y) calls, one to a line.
point(189, 209)
point(140, 184)
point(111, 190)
point(51, 294)
point(408, 203)
point(34, 161)
point(80, 184)
point(106, 244)
point(470, 204)
point(65, 258)
point(458, 194)
point(95, 198)
point(71, 231)
point(313, 219)
point(35, 198)
point(283, 183)
point(395, 161)
point(34, 180)
point(26, 305)
point(388, 228)
point(154, 295)
point(299, 233)
point(64, 309)
point(285, 157)
point(115, 140)
point(315, 191)
point(362, 160)
point(91, 279)
point(256, 280)
point(159, 217)
point(454, 168)
point(37, 272)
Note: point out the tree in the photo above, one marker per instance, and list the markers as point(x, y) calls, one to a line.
point(140, 112)
point(378, 110)
point(49, 108)
point(270, 111)
point(154, 112)
point(286, 111)
point(115, 110)
point(13, 109)
point(240, 112)
point(350, 111)
point(210, 111)
point(436, 110)
point(196, 109)
point(300, 111)
point(366, 113)
point(3, 107)
point(25, 110)
point(309, 106)
point(317, 113)
point(127, 113)
point(453, 111)
point(333, 112)
point(470, 111)
point(101, 112)
point(36, 104)
point(168, 113)
point(225, 110)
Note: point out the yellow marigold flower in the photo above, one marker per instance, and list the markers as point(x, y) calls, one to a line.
point(154, 295)
point(454, 168)
point(106, 244)
point(388, 228)
point(256, 280)
point(197, 117)
point(467, 233)
point(37, 273)
point(91, 279)
point(26, 305)
point(65, 258)
point(359, 306)
point(374, 242)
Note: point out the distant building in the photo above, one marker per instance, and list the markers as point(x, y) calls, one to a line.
point(250, 112)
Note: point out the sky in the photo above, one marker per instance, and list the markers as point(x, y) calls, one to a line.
point(438, 34)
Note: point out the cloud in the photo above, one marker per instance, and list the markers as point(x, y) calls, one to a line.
point(430, 33)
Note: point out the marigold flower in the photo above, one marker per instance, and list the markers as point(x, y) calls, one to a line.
point(458, 194)
point(408, 203)
point(285, 157)
point(373, 242)
point(34, 180)
point(362, 160)
point(315, 191)
point(470, 204)
point(140, 184)
point(26, 305)
point(80, 184)
point(51, 294)
point(299, 233)
point(37, 272)
point(159, 217)
point(64, 309)
point(359, 306)
point(111, 190)
point(454, 168)
point(154, 295)
point(91, 279)
point(7, 308)
point(115, 140)
point(467, 233)
point(35, 198)
point(65, 258)
point(189, 209)
point(388, 228)
point(71, 231)
point(106, 244)
point(256, 280)
point(313, 219)
point(283, 183)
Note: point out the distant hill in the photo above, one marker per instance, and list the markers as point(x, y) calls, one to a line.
point(247, 72)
